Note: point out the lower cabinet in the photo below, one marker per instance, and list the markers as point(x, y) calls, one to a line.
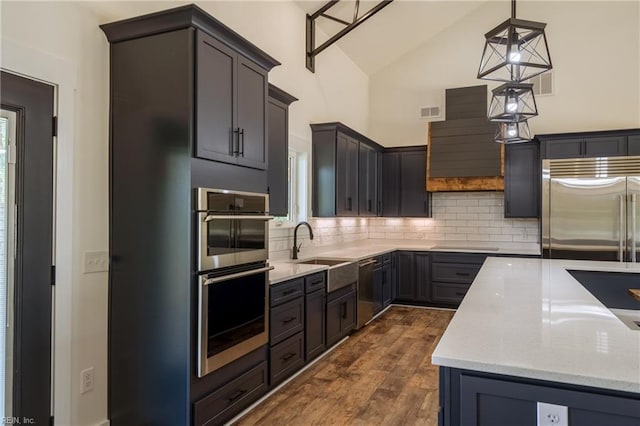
point(452, 275)
point(377, 286)
point(341, 313)
point(413, 279)
point(387, 283)
point(481, 399)
point(286, 358)
point(315, 316)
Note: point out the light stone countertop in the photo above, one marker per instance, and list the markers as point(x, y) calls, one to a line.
point(531, 318)
point(362, 249)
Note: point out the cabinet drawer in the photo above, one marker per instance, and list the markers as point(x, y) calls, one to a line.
point(286, 358)
point(454, 273)
point(448, 293)
point(334, 295)
point(286, 291)
point(231, 398)
point(314, 282)
point(478, 258)
point(286, 320)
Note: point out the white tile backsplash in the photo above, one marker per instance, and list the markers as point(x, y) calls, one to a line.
point(457, 216)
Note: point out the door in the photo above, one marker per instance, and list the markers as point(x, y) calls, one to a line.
point(633, 145)
point(346, 176)
point(216, 133)
point(27, 108)
point(315, 324)
point(367, 175)
point(278, 158)
point(423, 277)
point(414, 199)
point(406, 286)
point(386, 284)
point(563, 148)
point(522, 180)
point(612, 146)
point(390, 184)
point(633, 219)
point(378, 298)
point(587, 217)
point(251, 108)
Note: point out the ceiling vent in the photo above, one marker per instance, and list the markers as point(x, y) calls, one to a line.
point(430, 112)
point(542, 83)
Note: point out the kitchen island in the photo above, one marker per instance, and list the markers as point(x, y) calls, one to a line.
point(527, 332)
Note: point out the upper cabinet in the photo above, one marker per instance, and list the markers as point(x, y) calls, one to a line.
point(231, 99)
point(522, 180)
point(345, 172)
point(612, 143)
point(278, 143)
point(403, 183)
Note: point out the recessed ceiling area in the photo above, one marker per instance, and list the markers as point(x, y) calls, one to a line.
point(394, 31)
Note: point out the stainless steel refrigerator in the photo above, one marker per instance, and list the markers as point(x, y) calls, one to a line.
point(590, 208)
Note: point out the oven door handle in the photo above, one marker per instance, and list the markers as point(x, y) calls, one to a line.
point(216, 280)
point(211, 217)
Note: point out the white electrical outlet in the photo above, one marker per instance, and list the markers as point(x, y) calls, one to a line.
point(96, 261)
point(552, 415)
point(87, 379)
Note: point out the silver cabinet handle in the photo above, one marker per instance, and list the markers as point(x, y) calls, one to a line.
point(216, 280)
point(633, 227)
point(621, 236)
point(211, 217)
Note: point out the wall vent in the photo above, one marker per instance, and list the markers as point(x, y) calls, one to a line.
point(542, 83)
point(430, 112)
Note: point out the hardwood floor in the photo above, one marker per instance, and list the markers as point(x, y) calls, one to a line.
point(382, 375)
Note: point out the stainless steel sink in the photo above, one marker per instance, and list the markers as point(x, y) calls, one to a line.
point(322, 261)
point(341, 272)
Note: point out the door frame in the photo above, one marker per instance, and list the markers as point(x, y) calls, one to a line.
point(61, 73)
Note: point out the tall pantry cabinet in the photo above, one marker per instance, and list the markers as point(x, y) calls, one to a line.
point(188, 109)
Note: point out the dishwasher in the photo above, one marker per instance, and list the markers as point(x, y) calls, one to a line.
point(365, 291)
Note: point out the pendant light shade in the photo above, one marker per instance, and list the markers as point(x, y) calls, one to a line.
point(515, 50)
point(512, 102)
point(513, 133)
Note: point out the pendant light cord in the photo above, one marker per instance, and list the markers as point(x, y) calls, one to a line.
point(513, 9)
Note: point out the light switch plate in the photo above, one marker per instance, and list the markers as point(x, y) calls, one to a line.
point(96, 261)
point(552, 415)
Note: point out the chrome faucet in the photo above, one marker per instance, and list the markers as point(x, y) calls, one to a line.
point(296, 247)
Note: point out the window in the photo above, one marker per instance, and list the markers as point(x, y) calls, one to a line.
point(297, 189)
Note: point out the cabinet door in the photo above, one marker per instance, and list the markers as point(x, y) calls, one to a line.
point(334, 317)
point(414, 198)
point(377, 290)
point(522, 180)
point(315, 320)
point(633, 145)
point(390, 183)
point(423, 277)
point(605, 146)
point(405, 276)
point(367, 181)
point(278, 158)
point(252, 87)
point(563, 148)
point(349, 319)
point(216, 138)
point(386, 284)
point(346, 176)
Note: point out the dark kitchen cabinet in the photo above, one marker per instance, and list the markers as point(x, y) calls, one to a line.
point(476, 398)
point(633, 145)
point(367, 180)
point(378, 298)
point(345, 175)
point(610, 143)
point(413, 278)
point(404, 191)
point(522, 180)
point(231, 105)
point(387, 283)
point(172, 92)
point(315, 316)
point(452, 275)
point(278, 143)
point(341, 313)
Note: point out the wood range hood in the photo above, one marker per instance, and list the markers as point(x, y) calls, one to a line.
point(461, 152)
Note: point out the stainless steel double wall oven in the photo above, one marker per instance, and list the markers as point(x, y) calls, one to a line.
point(233, 275)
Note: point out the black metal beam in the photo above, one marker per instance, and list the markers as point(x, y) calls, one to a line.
point(311, 50)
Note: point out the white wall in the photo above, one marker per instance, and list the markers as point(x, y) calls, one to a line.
point(69, 31)
point(595, 49)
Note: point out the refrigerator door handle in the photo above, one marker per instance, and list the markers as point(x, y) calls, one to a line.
point(621, 233)
point(633, 227)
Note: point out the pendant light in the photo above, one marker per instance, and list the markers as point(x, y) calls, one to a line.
point(512, 102)
point(515, 50)
point(513, 133)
